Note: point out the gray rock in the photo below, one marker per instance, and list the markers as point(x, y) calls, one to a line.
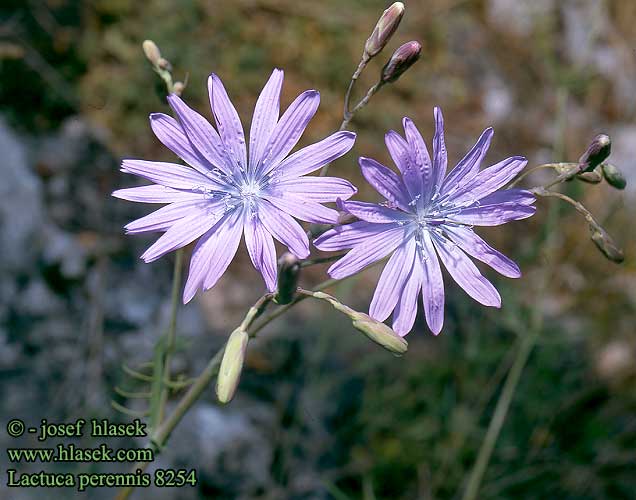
point(21, 213)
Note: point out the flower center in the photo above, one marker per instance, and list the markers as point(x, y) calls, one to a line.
point(249, 190)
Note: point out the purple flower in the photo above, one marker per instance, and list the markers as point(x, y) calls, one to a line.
point(224, 193)
point(429, 216)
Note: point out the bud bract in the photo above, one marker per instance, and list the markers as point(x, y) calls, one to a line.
point(379, 333)
point(402, 59)
point(151, 51)
point(231, 365)
point(288, 274)
point(613, 176)
point(593, 177)
point(596, 153)
point(384, 29)
point(606, 245)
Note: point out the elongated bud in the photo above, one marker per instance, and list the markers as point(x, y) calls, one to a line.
point(596, 153)
point(288, 273)
point(153, 54)
point(613, 176)
point(606, 245)
point(379, 333)
point(384, 29)
point(402, 59)
point(231, 365)
point(163, 63)
point(593, 177)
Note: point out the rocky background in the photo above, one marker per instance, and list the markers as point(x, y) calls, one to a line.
point(321, 413)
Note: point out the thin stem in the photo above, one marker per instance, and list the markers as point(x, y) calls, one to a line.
point(171, 336)
point(538, 167)
point(577, 205)
point(356, 74)
point(499, 416)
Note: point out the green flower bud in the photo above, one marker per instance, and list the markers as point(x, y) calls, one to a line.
point(613, 176)
point(384, 29)
point(151, 51)
point(231, 365)
point(288, 274)
point(402, 59)
point(606, 245)
point(596, 153)
point(379, 333)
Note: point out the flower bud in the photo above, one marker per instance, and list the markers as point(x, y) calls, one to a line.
point(288, 273)
point(152, 52)
point(401, 60)
point(596, 153)
point(379, 333)
point(384, 29)
point(606, 245)
point(613, 176)
point(231, 365)
point(178, 87)
point(593, 177)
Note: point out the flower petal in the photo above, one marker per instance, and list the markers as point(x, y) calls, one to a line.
point(469, 165)
point(368, 252)
point(494, 215)
point(389, 289)
point(372, 212)
point(284, 228)
point(260, 246)
point(312, 157)
point(476, 247)
point(465, 273)
point(163, 218)
point(440, 156)
point(489, 180)
point(514, 195)
point(212, 254)
point(168, 174)
point(171, 134)
point(406, 308)
point(227, 120)
point(349, 235)
point(420, 157)
point(400, 152)
point(155, 193)
point(202, 136)
point(318, 189)
point(306, 210)
point(180, 234)
point(265, 117)
point(432, 285)
point(289, 128)
point(386, 182)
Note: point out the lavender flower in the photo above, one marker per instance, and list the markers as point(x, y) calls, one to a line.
point(225, 193)
point(429, 215)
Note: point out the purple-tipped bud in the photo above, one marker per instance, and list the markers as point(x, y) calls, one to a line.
point(288, 274)
point(384, 29)
point(596, 153)
point(606, 245)
point(401, 60)
point(231, 365)
point(152, 52)
point(379, 333)
point(613, 176)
